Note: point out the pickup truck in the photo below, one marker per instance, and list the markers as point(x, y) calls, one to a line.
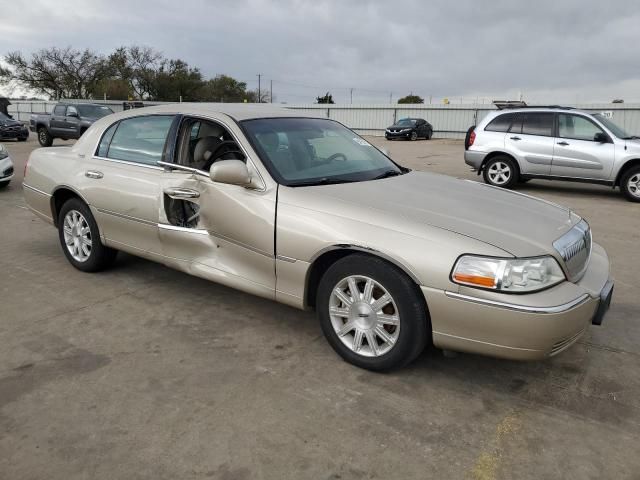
point(68, 120)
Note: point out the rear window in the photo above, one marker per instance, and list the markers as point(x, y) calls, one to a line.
point(538, 124)
point(501, 123)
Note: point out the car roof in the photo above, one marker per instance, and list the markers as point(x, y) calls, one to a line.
point(237, 111)
point(542, 109)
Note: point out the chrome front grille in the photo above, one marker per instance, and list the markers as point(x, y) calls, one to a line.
point(575, 249)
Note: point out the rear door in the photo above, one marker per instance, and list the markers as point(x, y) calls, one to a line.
point(531, 139)
point(577, 154)
point(123, 182)
point(57, 121)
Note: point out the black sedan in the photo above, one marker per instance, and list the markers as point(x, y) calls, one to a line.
point(410, 129)
point(10, 128)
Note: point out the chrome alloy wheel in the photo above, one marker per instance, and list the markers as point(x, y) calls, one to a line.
point(364, 316)
point(500, 173)
point(42, 135)
point(633, 185)
point(77, 235)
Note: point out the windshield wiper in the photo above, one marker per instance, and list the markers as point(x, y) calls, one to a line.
point(387, 174)
point(322, 181)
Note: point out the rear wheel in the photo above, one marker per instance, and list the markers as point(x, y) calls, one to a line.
point(80, 238)
point(630, 184)
point(371, 313)
point(44, 137)
point(501, 171)
point(4, 184)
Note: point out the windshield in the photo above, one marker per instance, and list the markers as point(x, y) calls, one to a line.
point(406, 122)
point(93, 111)
point(308, 151)
point(615, 129)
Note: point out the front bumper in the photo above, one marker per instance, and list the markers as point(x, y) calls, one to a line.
point(474, 159)
point(521, 327)
point(389, 135)
point(6, 170)
point(11, 133)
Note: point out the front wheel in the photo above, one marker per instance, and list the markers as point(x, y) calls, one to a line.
point(80, 238)
point(414, 136)
point(44, 137)
point(630, 184)
point(501, 171)
point(371, 313)
point(4, 184)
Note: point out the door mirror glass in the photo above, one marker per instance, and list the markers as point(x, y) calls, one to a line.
point(232, 172)
point(600, 137)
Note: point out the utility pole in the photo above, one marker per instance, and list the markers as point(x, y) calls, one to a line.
point(351, 93)
point(271, 91)
point(259, 98)
point(391, 97)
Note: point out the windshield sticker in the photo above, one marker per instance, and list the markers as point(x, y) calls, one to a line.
point(361, 141)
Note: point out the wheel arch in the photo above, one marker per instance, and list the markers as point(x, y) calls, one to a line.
point(634, 162)
point(498, 153)
point(59, 196)
point(328, 256)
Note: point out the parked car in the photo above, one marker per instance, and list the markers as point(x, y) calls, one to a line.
point(558, 143)
point(68, 121)
point(12, 129)
point(6, 167)
point(305, 212)
point(409, 129)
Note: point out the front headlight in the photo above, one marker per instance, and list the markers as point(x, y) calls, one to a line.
point(509, 275)
point(3, 152)
point(405, 129)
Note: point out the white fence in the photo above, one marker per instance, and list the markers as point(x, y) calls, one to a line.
point(449, 121)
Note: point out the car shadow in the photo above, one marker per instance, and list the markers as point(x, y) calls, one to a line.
point(567, 188)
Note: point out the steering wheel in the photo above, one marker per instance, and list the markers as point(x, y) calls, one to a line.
point(215, 155)
point(336, 156)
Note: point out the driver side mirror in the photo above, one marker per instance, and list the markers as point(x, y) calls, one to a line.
point(72, 114)
point(601, 137)
point(232, 172)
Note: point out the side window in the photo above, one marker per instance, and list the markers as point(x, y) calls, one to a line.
point(140, 139)
point(103, 148)
point(516, 126)
point(71, 110)
point(577, 127)
point(60, 110)
point(201, 143)
point(501, 123)
point(538, 124)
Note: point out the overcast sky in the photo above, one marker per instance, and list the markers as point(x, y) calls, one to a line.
point(558, 50)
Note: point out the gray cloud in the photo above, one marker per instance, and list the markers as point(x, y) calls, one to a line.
point(550, 50)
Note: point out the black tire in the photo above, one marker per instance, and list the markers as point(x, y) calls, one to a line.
point(633, 195)
point(4, 184)
point(414, 136)
point(100, 257)
point(23, 139)
point(44, 137)
point(523, 180)
point(415, 326)
point(510, 172)
point(429, 135)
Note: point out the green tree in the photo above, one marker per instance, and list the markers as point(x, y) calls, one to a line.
point(176, 80)
point(224, 88)
point(56, 72)
point(411, 98)
point(327, 98)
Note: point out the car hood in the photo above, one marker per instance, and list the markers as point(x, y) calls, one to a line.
point(9, 123)
point(395, 125)
point(518, 224)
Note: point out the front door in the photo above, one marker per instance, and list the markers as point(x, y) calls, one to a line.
point(217, 231)
point(577, 153)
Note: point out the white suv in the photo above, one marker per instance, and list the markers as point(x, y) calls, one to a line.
point(554, 143)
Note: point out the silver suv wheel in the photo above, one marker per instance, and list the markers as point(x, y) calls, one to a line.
point(500, 173)
point(633, 185)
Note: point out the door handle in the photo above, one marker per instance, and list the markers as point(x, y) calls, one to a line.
point(181, 193)
point(93, 174)
point(564, 144)
point(515, 138)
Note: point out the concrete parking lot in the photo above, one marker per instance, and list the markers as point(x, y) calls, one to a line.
point(145, 372)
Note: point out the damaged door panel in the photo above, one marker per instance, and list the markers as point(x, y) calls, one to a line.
point(221, 232)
